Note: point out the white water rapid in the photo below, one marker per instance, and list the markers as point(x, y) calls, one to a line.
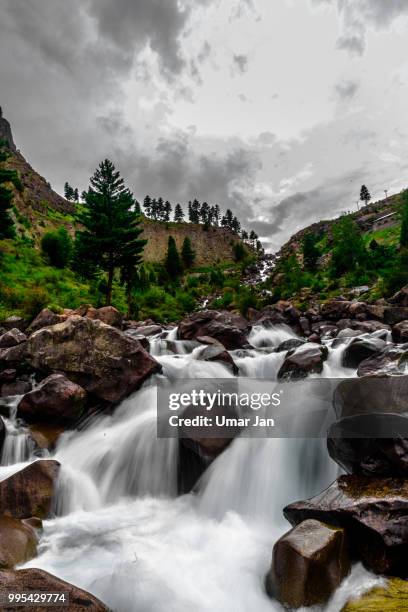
point(122, 533)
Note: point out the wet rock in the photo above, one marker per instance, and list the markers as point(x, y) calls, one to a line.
point(334, 310)
point(303, 360)
point(56, 400)
point(290, 344)
point(371, 444)
point(393, 597)
point(208, 340)
point(229, 329)
point(385, 363)
point(44, 319)
point(314, 338)
point(18, 542)
point(98, 357)
point(374, 512)
point(395, 315)
point(400, 332)
point(360, 349)
point(16, 387)
point(30, 491)
point(270, 316)
point(8, 375)
point(214, 352)
point(32, 579)
point(304, 325)
point(148, 330)
point(308, 564)
point(12, 338)
point(45, 436)
point(3, 433)
point(13, 356)
point(371, 395)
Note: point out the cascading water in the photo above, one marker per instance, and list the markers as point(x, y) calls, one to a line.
point(122, 533)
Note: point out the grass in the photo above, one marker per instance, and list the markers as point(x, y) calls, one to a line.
point(389, 236)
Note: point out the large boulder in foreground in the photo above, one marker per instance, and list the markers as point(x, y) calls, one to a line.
point(371, 395)
point(228, 328)
point(56, 400)
point(374, 512)
point(360, 349)
point(12, 338)
point(33, 579)
point(371, 444)
point(303, 360)
point(96, 356)
point(308, 564)
point(30, 491)
point(18, 542)
point(393, 597)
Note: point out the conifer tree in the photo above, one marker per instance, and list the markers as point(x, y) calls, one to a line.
point(147, 203)
point(111, 234)
point(188, 254)
point(167, 210)
point(68, 192)
point(178, 213)
point(173, 263)
point(365, 195)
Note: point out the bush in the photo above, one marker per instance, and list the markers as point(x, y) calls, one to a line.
point(58, 247)
point(36, 298)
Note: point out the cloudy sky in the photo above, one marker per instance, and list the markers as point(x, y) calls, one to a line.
point(279, 109)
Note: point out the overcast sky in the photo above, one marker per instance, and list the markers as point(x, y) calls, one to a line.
point(279, 109)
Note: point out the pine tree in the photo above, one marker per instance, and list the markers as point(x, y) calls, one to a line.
point(68, 192)
point(160, 210)
point(365, 195)
point(76, 195)
point(111, 235)
point(348, 246)
point(235, 225)
point(178, 214)
point(167, 210)
point(147, 203)
point(244, 235)
point(217, 215)
point(173, 262)
point(310, 252)
point(227, 220)
point(188, 254)
point(404, 223)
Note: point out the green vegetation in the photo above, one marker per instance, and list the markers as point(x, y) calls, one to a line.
point(187, 253)
point(6, 195)
point(58, 246)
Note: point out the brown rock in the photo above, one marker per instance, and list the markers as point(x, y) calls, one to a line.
point(8, 375)
point(26, 580)
point(13, 356)
point(106, 314)
point(55, 400)
point(216, 352)
point(303, 360)
point(400, 332)
point(12, 338)
point(44, 319)
point(229, 329)
point(308, 564)
point(100, 358)
point(335, 309)
point(45, 436)
point(30, 491)
point(18, 542)
point(400, 298)
point(15, 321)
point(17, 387)
point(374, 512)
point(395, 315)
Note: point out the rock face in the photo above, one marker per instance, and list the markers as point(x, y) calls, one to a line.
point(372, 444)
point(391, 598)
point(228, 328)
point(5, 132)
point(30, 491)
point(303, 360)
point(360, 349)
point(33, 579)
point(98, 357)
point(18, 542)
point(56, 400)
point(308, 564)
point(374, 512)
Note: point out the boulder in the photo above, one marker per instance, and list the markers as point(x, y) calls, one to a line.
point(16, 387)
point(30, 491)
point(228, 328)
point(371, 444)
point(45, 436)
point(15, 321)
point(393, 597)
point(208, 340)
point(13, 356)
point(98, 357)
point(44, 319)
point(394, 315)
point(147, 330)
point(336, 309)
point(385, 363)
point(304, 360)
point(308, 564)
point(400, 332)
point(400, 298)
point(217, 352)
point(12, 338)
point(106, 314)
point(360, 349)
point(290, 344)
point(18, 542)
point(371, 395)
point(8, 375)
point(270, 316)
point(56, 400)
point(37, 580)
point(374, 512)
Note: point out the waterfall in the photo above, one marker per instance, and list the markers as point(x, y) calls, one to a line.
point(121, 532)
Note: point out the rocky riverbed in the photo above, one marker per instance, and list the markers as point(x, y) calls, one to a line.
point(79, 446)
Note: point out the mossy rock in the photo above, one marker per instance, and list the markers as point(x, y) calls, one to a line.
point(391, 598)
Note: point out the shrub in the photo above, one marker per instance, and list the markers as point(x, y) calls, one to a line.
point(35, 299)
point(58, 247)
